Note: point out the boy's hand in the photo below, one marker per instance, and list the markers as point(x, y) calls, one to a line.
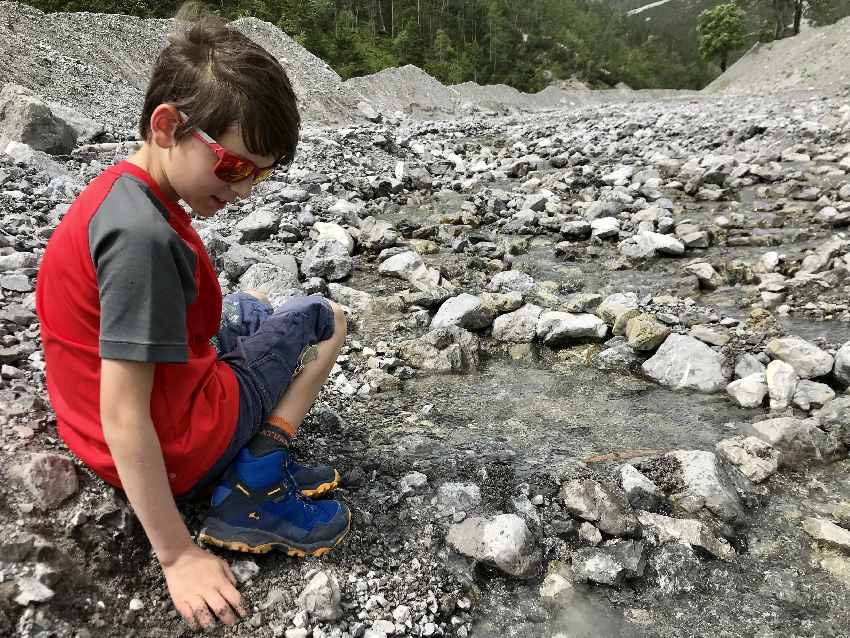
point(201, 585)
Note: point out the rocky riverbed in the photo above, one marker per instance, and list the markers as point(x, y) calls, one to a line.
point(595, 383)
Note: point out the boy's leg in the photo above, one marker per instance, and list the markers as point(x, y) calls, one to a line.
point(281, 368)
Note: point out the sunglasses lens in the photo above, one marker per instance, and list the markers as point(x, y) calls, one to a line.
point(233, 169)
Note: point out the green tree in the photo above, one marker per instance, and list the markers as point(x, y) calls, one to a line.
point(720, 31)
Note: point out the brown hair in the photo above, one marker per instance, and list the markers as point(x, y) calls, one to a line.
point(218, 77)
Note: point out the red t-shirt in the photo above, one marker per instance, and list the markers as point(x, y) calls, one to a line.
point(125, 276)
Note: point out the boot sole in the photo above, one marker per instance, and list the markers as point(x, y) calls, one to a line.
point(223, 535)
point(324, 488)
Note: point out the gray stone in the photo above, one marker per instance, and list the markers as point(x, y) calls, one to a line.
point(561, 328)
point(459, 496)
point(25, 118)
point(451, 349)
point(797, 440)
point(806, 358)
point(360, 302)
point(278, 283)
point(587, 533)
point(237, 259)
point(712, 335)
point(16, 283)
point(605, 228)
point(647, 244)
point(466, 311)
point(499, 303)
point(834, 418)
point(706, 274)
point(17, 261)
point(511, 281)
point(675, 568)
point(50, 478)
point(411, 482)
point(244, 570)
point(597, 566)
point(661, 529)
point(812, 394)
point(756, 459)
point(335, 232)
point(375, 235)
point(707, 485)
point(645, 332)
point(828, 533)
point(641, 492)
point(750, 391)
point(781, 384)
point(582, 302)
point(31, 590)
point(402, 265)
point(519, 326)
point(747, 365)
point(557, 588)
point(576, 229)
point(321, 597)
point(615, 305)
point(260, 224)
point(841, 370)
point(605, 508)
point(683, 362)
point(503, 541)
point(328, 259)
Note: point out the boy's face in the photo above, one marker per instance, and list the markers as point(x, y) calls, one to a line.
point(190, 172)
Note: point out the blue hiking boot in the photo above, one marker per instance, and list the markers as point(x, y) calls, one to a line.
point(258, 507)
point(312, 480)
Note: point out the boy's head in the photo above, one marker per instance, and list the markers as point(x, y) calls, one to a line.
point(213, 79)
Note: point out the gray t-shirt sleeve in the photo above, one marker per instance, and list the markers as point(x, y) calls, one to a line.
point(145, 277)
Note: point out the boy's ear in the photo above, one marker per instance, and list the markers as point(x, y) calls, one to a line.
point(164, 122)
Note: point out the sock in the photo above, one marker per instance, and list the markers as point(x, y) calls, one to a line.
point(274, 435)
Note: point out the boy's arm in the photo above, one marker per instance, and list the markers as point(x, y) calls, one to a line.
point(197, 580)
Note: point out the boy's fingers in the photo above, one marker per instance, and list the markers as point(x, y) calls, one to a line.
point(232, 596)
point(221, 608)
point(200, 612)
point(186, 611)
point(228, 572)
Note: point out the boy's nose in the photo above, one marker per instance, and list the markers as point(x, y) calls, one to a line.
point(243, 188)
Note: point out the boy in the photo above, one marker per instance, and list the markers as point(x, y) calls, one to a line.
point(129, 304)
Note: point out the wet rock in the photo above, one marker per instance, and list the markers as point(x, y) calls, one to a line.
point(580, 229)
point(519, 326)
point(797, 440)
point(260, 224)
point(641, 492)
point(459, 496)
point(648, 244)
point(412, 482)
point(754, 458)
point(560, 328)
point(604, 507)
point(321, 597)
point(750, 391)
point(841, 514)
point(841, 369)
point(511, 281)
point(503, 541)
point(278, 283)
point(245, 570)
point(375, 235)
point(827, 533)
point(589, 535)
point(31, 590)
point(683, 362)
point(664, 529)
point(781, 384)
point(466, 311)
point(604, 228)
point(834, 418)
point(707, 485)
point(810, 393)
point(25, 118)
point(806, 358)
point(334, 232)
point(675, 568)
point(450, 349)
point(50, 478)
point(557, 587)
point(328, 259)
point(618, 358)
point(615, 305)
point(747, 365)
point(708, 277)
point(644, 332)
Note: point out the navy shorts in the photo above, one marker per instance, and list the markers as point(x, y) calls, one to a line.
point(266, 350)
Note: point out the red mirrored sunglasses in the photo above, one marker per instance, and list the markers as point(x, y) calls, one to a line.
point(231, 168)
